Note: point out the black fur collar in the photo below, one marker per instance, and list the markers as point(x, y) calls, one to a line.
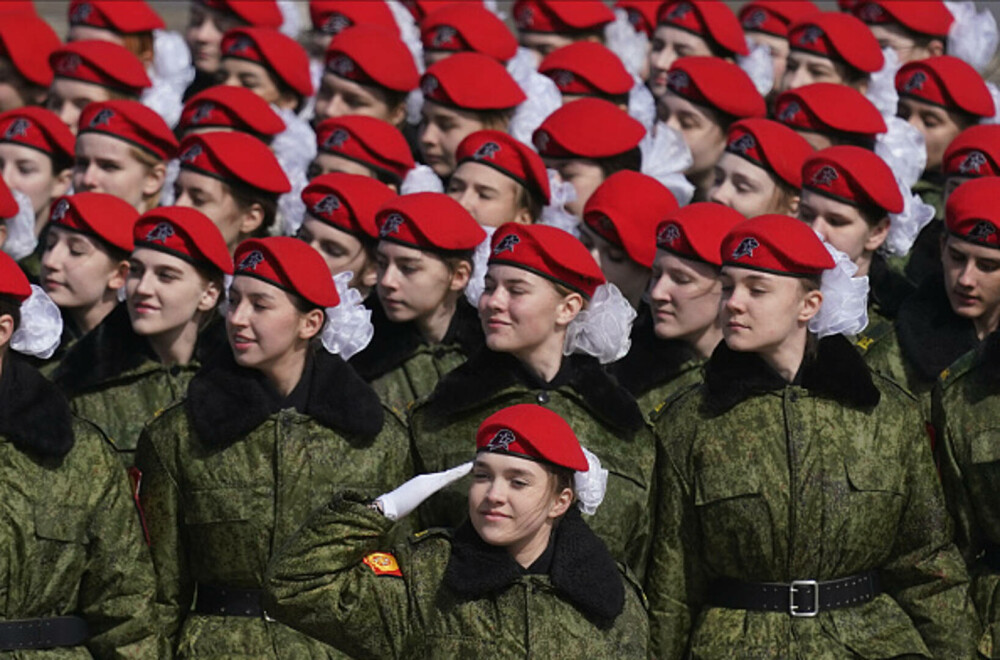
point(889, 289)
point(837, 371)
point(394, 343)
point(226, 401)
point(988, 359)
point(34, 414)
point(489, 372)
point(651, 361)
point(931, 335)
point(582, 569)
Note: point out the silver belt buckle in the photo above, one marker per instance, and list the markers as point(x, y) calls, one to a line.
point(793, 588)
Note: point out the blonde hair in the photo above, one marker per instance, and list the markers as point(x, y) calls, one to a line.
point(149, 161)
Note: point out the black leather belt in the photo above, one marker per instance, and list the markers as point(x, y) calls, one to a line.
point(800, 598)
point(229, 601)
point(47, 633)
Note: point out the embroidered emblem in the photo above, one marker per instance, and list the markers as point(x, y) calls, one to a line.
point(810, 35)
point(251, 261)
point(335, 24)
point(563, 79)
point(383, 563)
point(982, 231)
point(59, 210)
point(746, 248)
point(391, 224)
point(825, 176)
point(754, 19)
point(202, 112)
point(680, 11)
point(239, 45)
point(68, 63)
point(743, 144)
point(102, 118)
point(487, 150)
point(670, 234)
point(191, 154)
point(678, 81)
point(634, 17)
point(916, 82)
point(973, 163)
point(17, 128)
point(506, 244)
point(81, 14)
point(542, 140)
point(336, 139)
point(871, 13)
point(327, 205)
point(341, 65)
point(501, 440)
point(160, 233)
point(444, 36)
point(789, 112)
point(429, 85)
point(525, 18)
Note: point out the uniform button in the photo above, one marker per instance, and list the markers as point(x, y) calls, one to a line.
point(794, 397)
point(543, 397)
point(175, 370)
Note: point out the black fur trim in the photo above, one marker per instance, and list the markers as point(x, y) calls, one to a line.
point(34, 414)
point(226, 401)
point(889, 289)
point(931, 335)
point(394, 343)
point(582, 569)
point(837, 371)
point(489, 372)
point(989, 358)
point(651, 361)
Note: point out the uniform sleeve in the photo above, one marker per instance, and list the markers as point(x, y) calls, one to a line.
point(953, 481)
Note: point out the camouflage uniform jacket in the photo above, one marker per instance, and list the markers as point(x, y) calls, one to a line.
point(71, 540)
point(604, 416)
point(233, 470)
point(453, 596)
point(829, 477)
point(402, 368)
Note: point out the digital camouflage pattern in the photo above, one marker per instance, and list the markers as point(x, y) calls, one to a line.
point(320, 583)
point(659, 396)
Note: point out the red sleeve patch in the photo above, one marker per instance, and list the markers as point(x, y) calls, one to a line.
point(135, 476)
point(383, 563)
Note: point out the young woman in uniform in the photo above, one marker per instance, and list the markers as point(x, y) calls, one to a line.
point(829, 114)
point(830, 47)
point(545, 25)
point(268, 63)
point(355, 144)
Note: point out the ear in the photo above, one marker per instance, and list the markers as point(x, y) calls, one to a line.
point(287, 101)
point(118, 278)
point(61, 182)
point(877, 235)
point(935, 47)
point(209, 297)
point(369, 274)
point(311, 323)
point(523, 217)
point(461, 275)
point(397, 115)
point(793, 205)
point(569, 307)
point(3, 233)
point(564, 500)
point(250, 219)
point(6, 329)
point(153, 182)
point(811, 303)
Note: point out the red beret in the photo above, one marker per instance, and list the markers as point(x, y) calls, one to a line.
point(40, 129)
point(372, 142)
point(132, 122)
point(587, 67)
point(234, 157)
point(347, 201)
point(428, 221)
point(838, 36)
point(259, 13)
point(711, 20)
point(948, 82)
point(334, 16)
point(774, 16)
point(288, 264)
point(641, 14)
point(715, 83)
point(972, 213)
point(101, 63)
point(13, 282)
point(471, 81)
point(625, 211)
point(280, 54)
point(420, 9)
point(28, 42)
point(534, 432)
point(696, 231)
point(114, 15)
point(561, 16)
point(551, 252)
point(186, 233)
point(508, 156)
point(463, 26)
point(922, 16)
point(829, 107)
point(772, 146)
point(853, 175)
point(974, 153)
point(776, 244)
point(371, 55)
point(8, 204)
point(228, 106)
point(103, 216)
point(587, 128)
point(847, 5)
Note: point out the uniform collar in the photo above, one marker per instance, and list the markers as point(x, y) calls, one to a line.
point(651, 361)
point(931, 335)
point(34, 414)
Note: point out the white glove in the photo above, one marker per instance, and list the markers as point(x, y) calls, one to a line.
point(400, 502)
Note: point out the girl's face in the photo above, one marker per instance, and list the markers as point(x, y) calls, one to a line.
point(894, 36)
point(761, 312)
point(669, 44)
point(700, 127)
point(684, 296)
point(30, 171)
point(939, 127)
point(806, 68)
point(490, 197)
point(842, 226)
point(631, 278)
point(746, 187)
point(106, 164)
point(258, 79)
point(779, 48)
point(326, 163)
point(204, 36)
point(339, 96)
point(441, 131)
point(972, 281)
point(341, 251)
point(212, 197)
point(77, 271)
point(68, 98)
point(165, 294)
point(584, 174)
point(264, 326)
point(413, 285)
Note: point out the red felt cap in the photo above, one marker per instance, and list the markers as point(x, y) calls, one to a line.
point(335, 16)
point(8, 204)
point(234, 157)
point(587, 67)
point(371, 55)
point(776, 244)
point(28, 42)
point(428, 221)
point(471, 81)
point(848, 5)
point(711, 20)
point(185, 233)
point(972, 213)
point(40, 129)
point(625, 211)
point(853, 175)
point(13, 282)
point(774, 16)
point(259, 13)
point(132, 122)
point(127, 17)
point(463, 26)
point(930, 17)
point(280, 54)
point(103, 216)
point(372, 142)
point(347, 201)
point(551, 252)
point(948, 82)
point(838, 37)
point(561, 16)
point(715, 83)
point(696, 231)
point(288, 264)
point(974, 153)
point(641, 14)
point(101, 63)
point(534, 432)
point(420, 9)
point(829, 108)
point(228, 106)
point(772, 146)
point(508, 156)
point(587, 128)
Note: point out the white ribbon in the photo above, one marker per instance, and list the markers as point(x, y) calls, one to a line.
point(403, 500)
point(167, 197)
point(845, 298)
point(294, 148)
point(480, 263)
point(543, 98)
point(591, 485)
point(665, 157)
point(170, 74)
point(759, 66)
point(21, 240)
point(348, 328)
point(409, 32)
point(973, 36)
point(603, 329)
point(904, 227)
point(629, 44)
point(903, 149)
point(642, 105)
point(995, 94)
point(421, 179)
point(291, 19)
point(41, 326)
point(555, 213)
point(882, 85)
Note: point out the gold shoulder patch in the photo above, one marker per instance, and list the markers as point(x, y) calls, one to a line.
point(383, 563)
point(864, 343)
